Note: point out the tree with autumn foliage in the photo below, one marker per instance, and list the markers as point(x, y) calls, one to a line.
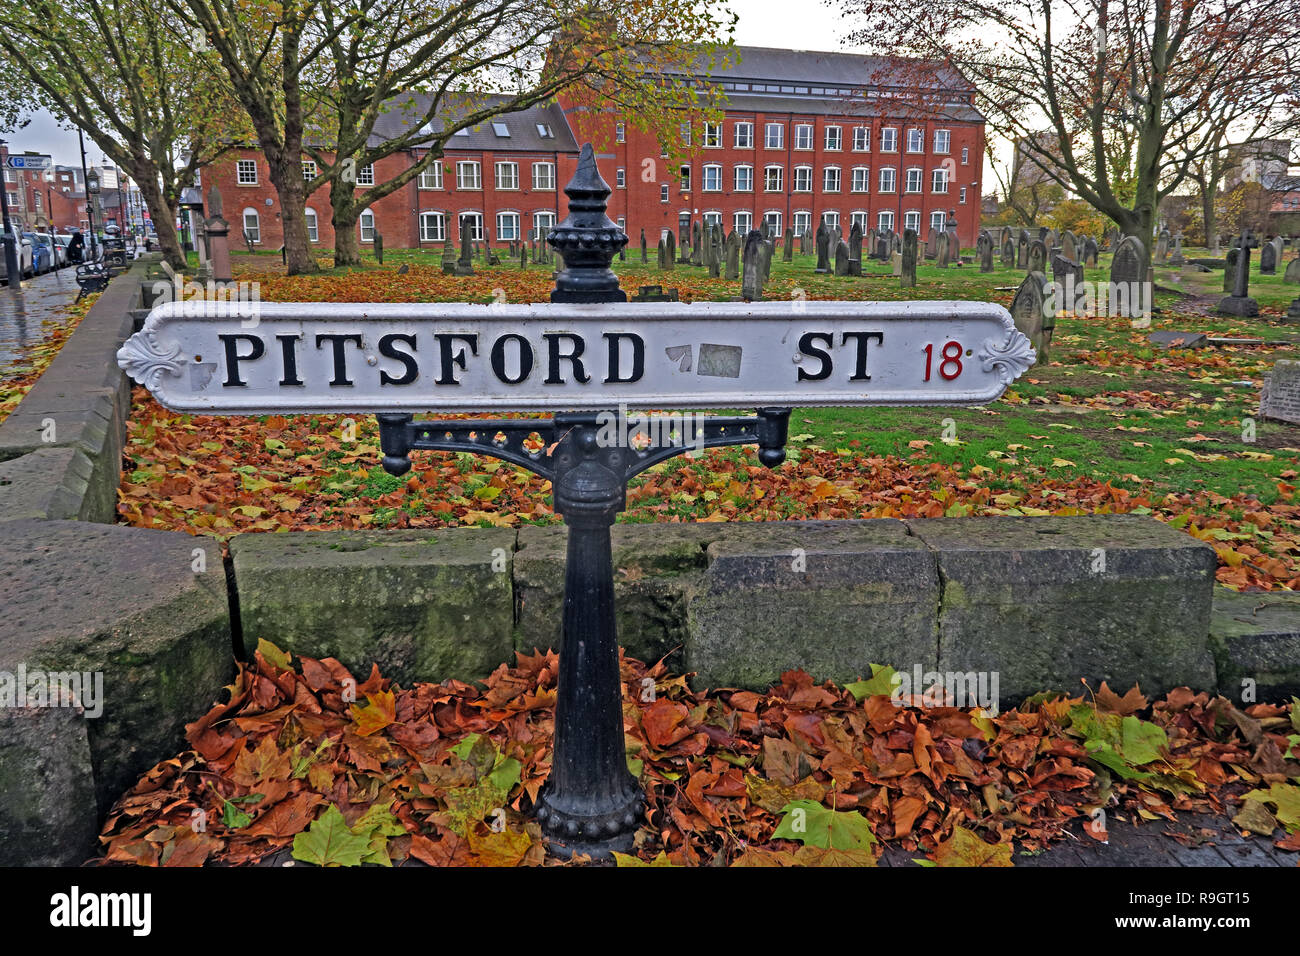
point(447, 67)
point(1124, 88)
point(127, 74)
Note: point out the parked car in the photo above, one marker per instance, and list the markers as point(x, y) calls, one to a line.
point(61, 241)
point(58, 255)
point(42, 254)
point(23, 248)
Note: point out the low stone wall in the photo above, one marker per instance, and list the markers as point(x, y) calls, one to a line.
point(1041, 602)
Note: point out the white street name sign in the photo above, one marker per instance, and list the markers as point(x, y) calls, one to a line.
point(257, 357)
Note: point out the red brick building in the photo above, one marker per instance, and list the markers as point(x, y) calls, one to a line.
point(41, 197)
point(804, 135)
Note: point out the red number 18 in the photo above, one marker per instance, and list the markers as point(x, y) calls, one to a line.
point(949, 358)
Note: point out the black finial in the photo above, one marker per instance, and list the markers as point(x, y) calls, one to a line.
point(587, 239)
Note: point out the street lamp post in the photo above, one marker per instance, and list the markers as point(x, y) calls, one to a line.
point(90, 207)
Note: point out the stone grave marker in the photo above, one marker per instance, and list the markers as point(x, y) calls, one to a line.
point(1292, 274)
point(1239, 302)
point(1129, 262)
point(1268, 259)
point(823, 248)
point(1030, 312)
point(1037, 256)
point(907, 259)
point(1280, 397)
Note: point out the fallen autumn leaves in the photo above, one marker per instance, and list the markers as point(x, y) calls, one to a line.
point(804, 774)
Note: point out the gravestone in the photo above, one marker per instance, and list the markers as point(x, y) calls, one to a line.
point(871, 238)
point(805, 242)
point(697, 244)
point(1280, 397)
point(1293, 312)
point(787, 249)
point(882, 249)
point(1090, 252)
point(954, 244)
point(448, 257)
point(1032, 317)
point(765, 257)
point(986, 251)
point(941, 250)
point(841, 258)
point(523, 255)
point(1067, 277)
point(751, 283)
point(643, 246)
point(1268, 259)
point(932, 243)
point(907, 278)
point(1292, 274)
point(654, 293)
point(1178, 260)
point(1022, 249)
point(896, 263)
point(663, 255)
point(1162, 246)
point(217, 231)
point(1037, 256)
point(733, 256)
point(1230, 269)
point(1240, 303)
point(1006, 236)
point(855, 250)
point(823, 248)
point(1008, 253)
point(1129, 263)
point(670, 244)
point(1069, 246)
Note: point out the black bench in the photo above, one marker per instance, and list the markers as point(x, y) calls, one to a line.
point(92, 277)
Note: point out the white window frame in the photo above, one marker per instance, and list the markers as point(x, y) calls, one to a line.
point(939, 181)
point(476, 218)
point(965, 155)
point(885, 219)
point(620, 133)
point(802, 179)
point(832, 217)
point(748, 186)
point(912, 220)
point(366, 175)
point(801, 218)
point(712, 136)
point(943, 141)
point(243, 168)
point(362, 227)
point(834, 138)
point(914, 179)
point(510, 182)
point(915, 139)
point(891, 174)
point(543, 216)
point(685, 130)
point(544, 176)
point(862, 218)
point(438, 234)
point(862, 139)
point(711, 217)
point(431, 177)
point(774, 220)
point(832, 179)
point(313, 224)
point(308, 170)
point(962, 199)
point(716, 170)
point(767, 178)
point(938, 220)
point(620, 178)
point(744, 216)
point(684, 177)
point(803, 136)
point(506, 216)
point(747, 140)
point(776, 141)
point(469, 171)
point(860, 179)
point(256, 232)
point(889, 139)
point(663, 192)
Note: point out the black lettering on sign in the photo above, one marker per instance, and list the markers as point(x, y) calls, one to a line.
point(638, 357)
point(338, 340)
point(233, 358)
point(861, 338)
point(388, 350)
point(807, 348)
point(448, 359)
point(555, 357)
point(289, 355)
point(499, 358)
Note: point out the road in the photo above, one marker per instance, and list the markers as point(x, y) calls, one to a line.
point(22, 312)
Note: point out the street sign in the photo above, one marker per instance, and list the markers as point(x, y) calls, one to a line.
point(30, 162)
point(257, 358)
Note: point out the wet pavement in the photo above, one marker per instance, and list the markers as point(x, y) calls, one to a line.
point(22, 312)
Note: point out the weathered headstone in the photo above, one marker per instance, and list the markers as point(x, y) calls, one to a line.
point(1268, 259)
point(823, 248)
point(1129, 263)
point(733, 256)
point(663, 255)
point(1029, 312)
point(787, 246)
point(765, 257)
point(907, 278)
point(670, 245)
point(1069, 245)
point(697, 244)
point(654, 293)
point(1292, 274)
point(1090, 252)
point(1178, 260)
point(1037, 256)
point(448, 256)
point(217, 230)
point(643, 246)
point(896, 263)
point(1240, 303)
point(941, 250)
point(855, 250)
point(1067, 278)
point(1008, 253)
point(986, 251)
point(751, 283)
point(841, 258)
point(1022, 249)
point(932, 243)
point(1230, 268)
point(1280, 397)
point(1162, 246)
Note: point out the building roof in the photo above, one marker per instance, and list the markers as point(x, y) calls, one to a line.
point(846, 106)
point(818, 68)
point(521, 127)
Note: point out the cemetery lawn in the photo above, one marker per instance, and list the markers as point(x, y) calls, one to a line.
point(1111, 424)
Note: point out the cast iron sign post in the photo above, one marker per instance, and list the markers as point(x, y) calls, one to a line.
point(585, 354)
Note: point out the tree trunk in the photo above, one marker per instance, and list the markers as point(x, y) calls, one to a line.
point(145, 175)
point(1208, 217)
point(344, 215)
point(287, 165)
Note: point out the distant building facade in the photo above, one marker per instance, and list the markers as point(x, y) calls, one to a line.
point(803, 136)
